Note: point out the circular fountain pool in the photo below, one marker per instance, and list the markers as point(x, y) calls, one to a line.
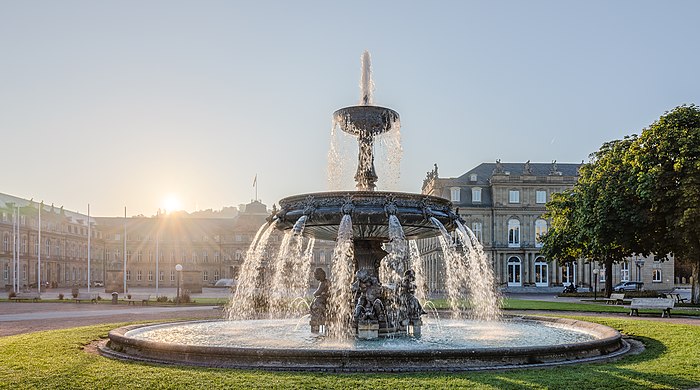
point(451, 345)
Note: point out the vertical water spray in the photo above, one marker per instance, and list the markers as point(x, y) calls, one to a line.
point(249, 300)
point(366, 83)
point(340, 301)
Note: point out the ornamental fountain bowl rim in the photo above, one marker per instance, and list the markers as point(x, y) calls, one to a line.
point(608, 344)
point(368, 118)
point(369, 213)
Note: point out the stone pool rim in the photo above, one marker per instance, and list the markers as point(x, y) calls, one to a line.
point(608, 344)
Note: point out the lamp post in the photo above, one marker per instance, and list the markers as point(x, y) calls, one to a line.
point(178, 268)
point(595, 281)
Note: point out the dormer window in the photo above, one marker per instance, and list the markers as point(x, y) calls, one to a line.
point(472, 177)
point(454, 194)
point(476, 194)
point(513, 196)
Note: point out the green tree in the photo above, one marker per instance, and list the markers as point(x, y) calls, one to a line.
point(599, 218)
point(666, 158)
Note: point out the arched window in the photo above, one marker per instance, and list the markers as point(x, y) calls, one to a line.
point(568, 274)
point(541, 272)
point(476, 229)
point(454, 194)
point(514, 272)
point(513, 233)
point(540, 230)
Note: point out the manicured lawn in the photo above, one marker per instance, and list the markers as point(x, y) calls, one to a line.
point(55, 359)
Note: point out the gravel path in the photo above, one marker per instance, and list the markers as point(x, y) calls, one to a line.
point(26, 317)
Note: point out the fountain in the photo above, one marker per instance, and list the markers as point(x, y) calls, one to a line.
point(368, 314)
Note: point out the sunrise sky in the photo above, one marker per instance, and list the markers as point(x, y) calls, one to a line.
point(180, 104)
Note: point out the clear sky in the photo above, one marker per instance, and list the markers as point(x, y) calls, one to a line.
point(127, 103)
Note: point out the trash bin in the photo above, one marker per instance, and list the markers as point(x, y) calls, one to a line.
point(115, 298)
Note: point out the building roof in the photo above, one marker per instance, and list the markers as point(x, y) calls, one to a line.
point(484, 171)
point(6, 199)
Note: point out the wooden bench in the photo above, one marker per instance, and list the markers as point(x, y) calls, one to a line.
point(86, 297)
point(615, 299)
point(665, 304)
point(21, 296)
point(143, 298)
point(676, 297)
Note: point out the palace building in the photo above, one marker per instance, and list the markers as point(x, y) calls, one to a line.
point(503, 204)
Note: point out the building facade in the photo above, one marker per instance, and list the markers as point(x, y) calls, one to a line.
point(209, 249)
point(503, 204)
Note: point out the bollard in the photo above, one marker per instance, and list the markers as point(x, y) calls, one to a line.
point(115, 298)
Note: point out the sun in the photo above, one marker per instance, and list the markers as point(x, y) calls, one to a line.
point(171, 203)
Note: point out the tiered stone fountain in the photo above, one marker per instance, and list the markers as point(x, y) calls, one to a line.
point(365, 315)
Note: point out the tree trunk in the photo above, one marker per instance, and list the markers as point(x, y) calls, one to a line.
point(695, 286)
point(608, 277)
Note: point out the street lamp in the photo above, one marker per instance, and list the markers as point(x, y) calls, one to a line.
point(178, 268)
point(595, 281)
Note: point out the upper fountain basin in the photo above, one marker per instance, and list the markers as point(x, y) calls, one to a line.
point(365, 120)
point(369, 211)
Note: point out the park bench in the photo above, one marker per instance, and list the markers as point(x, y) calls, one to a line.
point(665, 304)
point(143, 298)
point(21, 296)
point(615, 299)
point(85, 297)
point(676, 297)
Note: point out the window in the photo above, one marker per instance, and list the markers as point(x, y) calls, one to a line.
point(514, 271)
point(568, 274)
point(24, 272)
point(128, 275)
point(128, 255)
point(48, 247)
point(625, 271)
point(24, 244)
point(476, 194)
point(513, 233)
point(217, 256)
point(6, 242)
point(540, 230)
point(472, 177)
point(6, 271)
point(513, 196)
point(205, 275)
point(239, 255)
point(172, 276)
point(541, 272)
point(139, 256)
point(150, 276)
point(322, 257)
point(454, 194)
point(541, 197)
point(150, 256)
point(161, 276)
point(205, 256)
point(216, 275)
point(476, 229)
point(656, 275)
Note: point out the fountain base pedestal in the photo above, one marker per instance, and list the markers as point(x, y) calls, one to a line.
point(367, 330)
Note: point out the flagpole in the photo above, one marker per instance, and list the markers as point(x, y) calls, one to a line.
point(88, 254)
point(14, 249)
point(19, 242)
point(38, 255)
point(157, 255)
point(124, 249)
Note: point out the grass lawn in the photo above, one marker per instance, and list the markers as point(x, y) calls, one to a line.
point(55, 359)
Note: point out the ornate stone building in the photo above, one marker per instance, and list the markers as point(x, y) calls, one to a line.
point(503, 204)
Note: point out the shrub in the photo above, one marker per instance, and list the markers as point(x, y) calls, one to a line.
point(12, 294)
point(185, 296)
point(60, 297)
point(162, 298)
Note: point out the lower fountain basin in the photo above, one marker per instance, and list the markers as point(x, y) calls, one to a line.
point(369, 210)
point(451, 345)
